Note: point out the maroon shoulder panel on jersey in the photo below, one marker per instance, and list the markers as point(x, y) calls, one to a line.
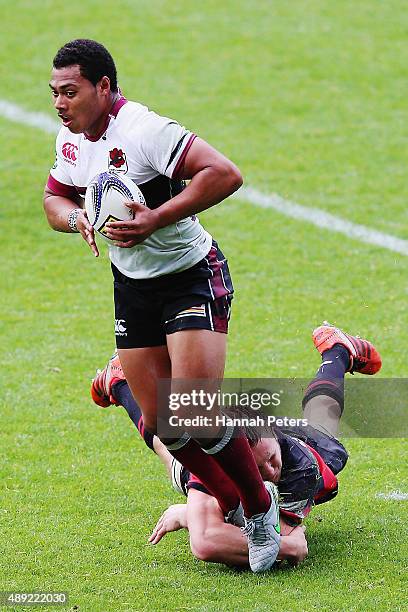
point(61, 189)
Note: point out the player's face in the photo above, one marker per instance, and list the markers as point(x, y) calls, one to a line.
point(81, 106)
point(267, 455)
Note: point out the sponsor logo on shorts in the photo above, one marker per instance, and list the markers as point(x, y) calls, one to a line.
point(194, 311)
point(120, 327)
point(117, 160)
point(70, 152)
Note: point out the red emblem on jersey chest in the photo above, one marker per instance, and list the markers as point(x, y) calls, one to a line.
point(117, 158)
point(69, 151)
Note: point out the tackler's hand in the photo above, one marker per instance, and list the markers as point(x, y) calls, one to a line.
point(172, 519)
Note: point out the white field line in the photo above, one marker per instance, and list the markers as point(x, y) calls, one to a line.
point(323, 220)
point(393, 495)
point(15, 113)
point(315, 216)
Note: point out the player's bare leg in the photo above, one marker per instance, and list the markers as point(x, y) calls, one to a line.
point(230, 474)
point(163, 454)
point(323, 413)
point(143, 367)
point(198, 354)
point(197, 351)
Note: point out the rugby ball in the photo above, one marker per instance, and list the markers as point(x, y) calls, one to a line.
point(105, 199)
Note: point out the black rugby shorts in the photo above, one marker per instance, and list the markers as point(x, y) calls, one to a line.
point(146, 310)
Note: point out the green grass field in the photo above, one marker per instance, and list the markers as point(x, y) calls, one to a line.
point(309, 99)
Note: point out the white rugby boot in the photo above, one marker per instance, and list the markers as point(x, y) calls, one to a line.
point(263, 533)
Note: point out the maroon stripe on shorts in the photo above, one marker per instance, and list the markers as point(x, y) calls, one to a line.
point(220, 324)
point(216, 281)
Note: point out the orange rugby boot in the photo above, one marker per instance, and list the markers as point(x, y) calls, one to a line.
point(104, 380)
point(364, 357)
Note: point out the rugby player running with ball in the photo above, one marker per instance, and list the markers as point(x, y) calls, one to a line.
point(172, 287)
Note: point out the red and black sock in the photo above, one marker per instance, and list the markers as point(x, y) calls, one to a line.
point(206, 468)
point(329, 379)
point(233, 454)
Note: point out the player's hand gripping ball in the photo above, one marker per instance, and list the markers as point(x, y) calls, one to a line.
point(105, 199)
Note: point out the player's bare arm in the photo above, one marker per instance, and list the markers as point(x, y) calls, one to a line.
point(172, 519)
point(58, 209)
point(213, 540)
point(213, 178)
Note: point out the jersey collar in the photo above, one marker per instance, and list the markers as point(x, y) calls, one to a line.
point(113, 113)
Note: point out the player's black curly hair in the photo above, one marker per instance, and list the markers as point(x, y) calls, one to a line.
point(245, 415)
point(93, 59)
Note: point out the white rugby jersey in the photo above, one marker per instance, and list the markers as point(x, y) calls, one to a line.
point(150, 149)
